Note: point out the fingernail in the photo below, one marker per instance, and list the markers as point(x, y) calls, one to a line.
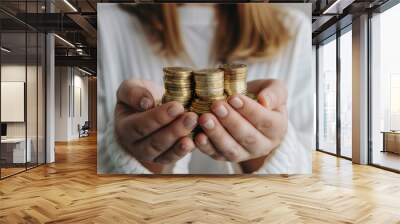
point(209, 124)
point(185, 146)
point(236, 102)
point(220, 111)
point(145, 103)
point(267, 100)
point(190, 122)
point(203, 141)
point(174, 110)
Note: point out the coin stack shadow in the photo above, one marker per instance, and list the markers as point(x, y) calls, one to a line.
point(178, 83)
point(209, 87)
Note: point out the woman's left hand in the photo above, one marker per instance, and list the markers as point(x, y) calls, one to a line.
point(242, 129)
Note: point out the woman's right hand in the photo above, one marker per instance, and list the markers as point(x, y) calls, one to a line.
point(151, 133)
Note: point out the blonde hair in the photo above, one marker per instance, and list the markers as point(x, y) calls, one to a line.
point(247, 31)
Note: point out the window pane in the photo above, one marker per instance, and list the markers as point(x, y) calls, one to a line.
point(15, 150)
point(327, 97)
point(346, 93)
point(31, 99)
point(386, 88)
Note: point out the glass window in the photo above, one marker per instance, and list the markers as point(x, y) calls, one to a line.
point(327, 96)
point(346, 94)
point(15, 150)
point(31, 99)
point(22, 92)
point(385, 84)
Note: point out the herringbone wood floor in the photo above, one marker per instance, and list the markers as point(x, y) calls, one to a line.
point(70, 191)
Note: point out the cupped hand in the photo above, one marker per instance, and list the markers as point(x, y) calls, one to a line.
point(151, 133)
point(241, 129)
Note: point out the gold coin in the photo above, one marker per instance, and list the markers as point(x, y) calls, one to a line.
point(230, 77)
point(199, 80)
point(208, 77)
point(211, 95)
point(211, 72)
point(182, 98)
point(235, 83)
point(169, 86)
point(168, 98)
point(197, 90)
point(211, 86)
point(172, 95)
point(235, 88)
point(178, 82)
point(209, 89)
point(230, 92)
point(177, 70)
point(233, 77)
point(234, 73)
point(211, 99)
point(200, 107)
point(234, 68)
point(178, 89)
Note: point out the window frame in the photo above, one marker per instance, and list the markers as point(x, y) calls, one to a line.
point(334, 37)
point(371, 13)
point(27, 29)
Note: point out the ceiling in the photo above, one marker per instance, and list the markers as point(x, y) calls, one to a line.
point(75, 21)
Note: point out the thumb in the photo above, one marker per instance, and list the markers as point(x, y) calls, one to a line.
point(136, 95)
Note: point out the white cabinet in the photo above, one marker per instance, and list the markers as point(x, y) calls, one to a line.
point(15, 148)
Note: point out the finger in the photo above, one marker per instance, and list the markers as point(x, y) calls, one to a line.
point(134, 94)
point(139, 125)
point(268, 122)
point(272, 93)
point(178, 151)
point(240, 129)
point(157, 143)
point(221, 139)
point(205, 146)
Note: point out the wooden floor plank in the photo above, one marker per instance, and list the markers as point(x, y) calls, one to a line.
point(70, 191)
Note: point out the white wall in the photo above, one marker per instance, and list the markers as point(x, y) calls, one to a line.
point(18, 73)
point(12, 73)
point(70, 83)
point(61, 114)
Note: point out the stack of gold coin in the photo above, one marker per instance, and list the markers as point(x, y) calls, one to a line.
point(178, 83)
point(209, 86)
point(235, 76)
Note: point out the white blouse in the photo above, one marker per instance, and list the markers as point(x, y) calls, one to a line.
point(124, 53)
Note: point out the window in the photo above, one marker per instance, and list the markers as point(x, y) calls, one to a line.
point(394, 101)
point(385, 89)
point(346, 94)
point(327, 97)
point(22, 66)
